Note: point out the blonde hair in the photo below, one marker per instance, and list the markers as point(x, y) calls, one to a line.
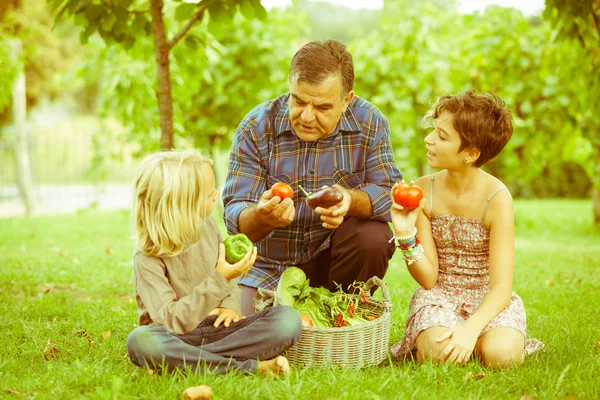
point(169, 202)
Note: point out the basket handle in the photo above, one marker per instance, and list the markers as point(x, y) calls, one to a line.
point(387, 302)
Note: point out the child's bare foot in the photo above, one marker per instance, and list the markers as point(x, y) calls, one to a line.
point(278, 365)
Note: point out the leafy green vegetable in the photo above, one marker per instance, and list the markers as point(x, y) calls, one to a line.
point(313, 308)
point(290, 285)
point(324, 308)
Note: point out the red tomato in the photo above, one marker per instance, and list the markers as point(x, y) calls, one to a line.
point(408, 196)
point(306, 321)
point(283, 190)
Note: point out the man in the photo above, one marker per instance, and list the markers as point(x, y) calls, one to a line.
point(319, 134)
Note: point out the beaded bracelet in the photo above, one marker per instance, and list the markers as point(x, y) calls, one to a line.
point(411, 245)
point(405, 238)
point(414, 254)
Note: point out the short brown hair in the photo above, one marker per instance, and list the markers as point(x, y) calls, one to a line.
point(482, 120)
point(318, 60)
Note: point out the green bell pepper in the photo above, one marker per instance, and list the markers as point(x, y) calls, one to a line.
point(236, 247)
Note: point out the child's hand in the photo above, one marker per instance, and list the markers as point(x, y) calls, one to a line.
point(403, 219)
point(225, 315)
point(230, 271)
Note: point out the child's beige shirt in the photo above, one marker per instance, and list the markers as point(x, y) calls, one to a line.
point(179, 292)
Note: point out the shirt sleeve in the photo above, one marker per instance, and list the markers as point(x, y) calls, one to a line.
point(234, 300)
point(381, 174)
point(246, 177)
point(177, 315)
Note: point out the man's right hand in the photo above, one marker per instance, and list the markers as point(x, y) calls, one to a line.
point(275, 212)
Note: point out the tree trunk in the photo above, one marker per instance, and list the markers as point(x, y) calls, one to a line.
point(596, 187)
point(163, 94)
point(19, 100)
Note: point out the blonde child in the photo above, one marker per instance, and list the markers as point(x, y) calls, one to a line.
point(187, 294)
point(463, 255)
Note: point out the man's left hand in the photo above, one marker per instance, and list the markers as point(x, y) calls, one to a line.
point(224, 315)
point(333, 216)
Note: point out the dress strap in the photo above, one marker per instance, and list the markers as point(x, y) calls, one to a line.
point(487, 203)
point(431, 193)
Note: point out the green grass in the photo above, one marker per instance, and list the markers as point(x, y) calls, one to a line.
point(68, 279)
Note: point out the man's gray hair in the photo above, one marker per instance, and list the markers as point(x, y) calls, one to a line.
point(318, 60)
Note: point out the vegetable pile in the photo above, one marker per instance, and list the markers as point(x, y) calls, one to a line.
point(320, 307)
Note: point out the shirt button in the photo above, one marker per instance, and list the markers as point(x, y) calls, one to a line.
point(312, 171)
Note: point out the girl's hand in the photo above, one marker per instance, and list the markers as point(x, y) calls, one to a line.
point(461, 345)
point(224, 315)
point(403, 219)
point(230, 271)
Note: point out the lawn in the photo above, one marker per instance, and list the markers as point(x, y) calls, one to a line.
point(67, 306)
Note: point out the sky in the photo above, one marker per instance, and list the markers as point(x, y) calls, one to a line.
point(465, 6)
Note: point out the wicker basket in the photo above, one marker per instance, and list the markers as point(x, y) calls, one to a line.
point(361, 345)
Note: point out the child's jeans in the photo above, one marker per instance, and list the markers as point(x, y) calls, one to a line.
point(238, 347)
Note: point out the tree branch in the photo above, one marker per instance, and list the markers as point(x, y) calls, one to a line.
point(187, 27)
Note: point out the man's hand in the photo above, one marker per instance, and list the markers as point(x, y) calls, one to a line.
point(275, 212)
point(333, 216)
point(225, 315)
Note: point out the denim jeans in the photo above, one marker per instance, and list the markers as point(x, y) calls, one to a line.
point(238, 347)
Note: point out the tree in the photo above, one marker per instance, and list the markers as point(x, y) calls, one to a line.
point(217, 80)
point(123, 21)
point(578, 23)
point(434, 51)
point(45, 52)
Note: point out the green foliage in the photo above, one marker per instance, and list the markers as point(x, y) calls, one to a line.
point(330, 21)
point(433, 51)
point(578, 23)
point(125, 21)
point(575, 19)
point(215, 83)
point(249, 67)
point(231, 60)
point(44, 53)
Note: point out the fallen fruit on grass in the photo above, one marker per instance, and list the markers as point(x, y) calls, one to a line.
point(201, 392)
point(325, 198)
point(408, 196)
point(282, 190)
point(306, 321)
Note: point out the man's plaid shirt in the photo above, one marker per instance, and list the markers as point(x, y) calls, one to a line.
point(358, 154)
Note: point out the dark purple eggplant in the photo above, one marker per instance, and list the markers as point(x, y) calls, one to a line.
point(324, 198)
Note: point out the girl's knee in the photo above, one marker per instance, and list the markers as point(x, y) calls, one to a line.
point(429, 350)
point(501, 356)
